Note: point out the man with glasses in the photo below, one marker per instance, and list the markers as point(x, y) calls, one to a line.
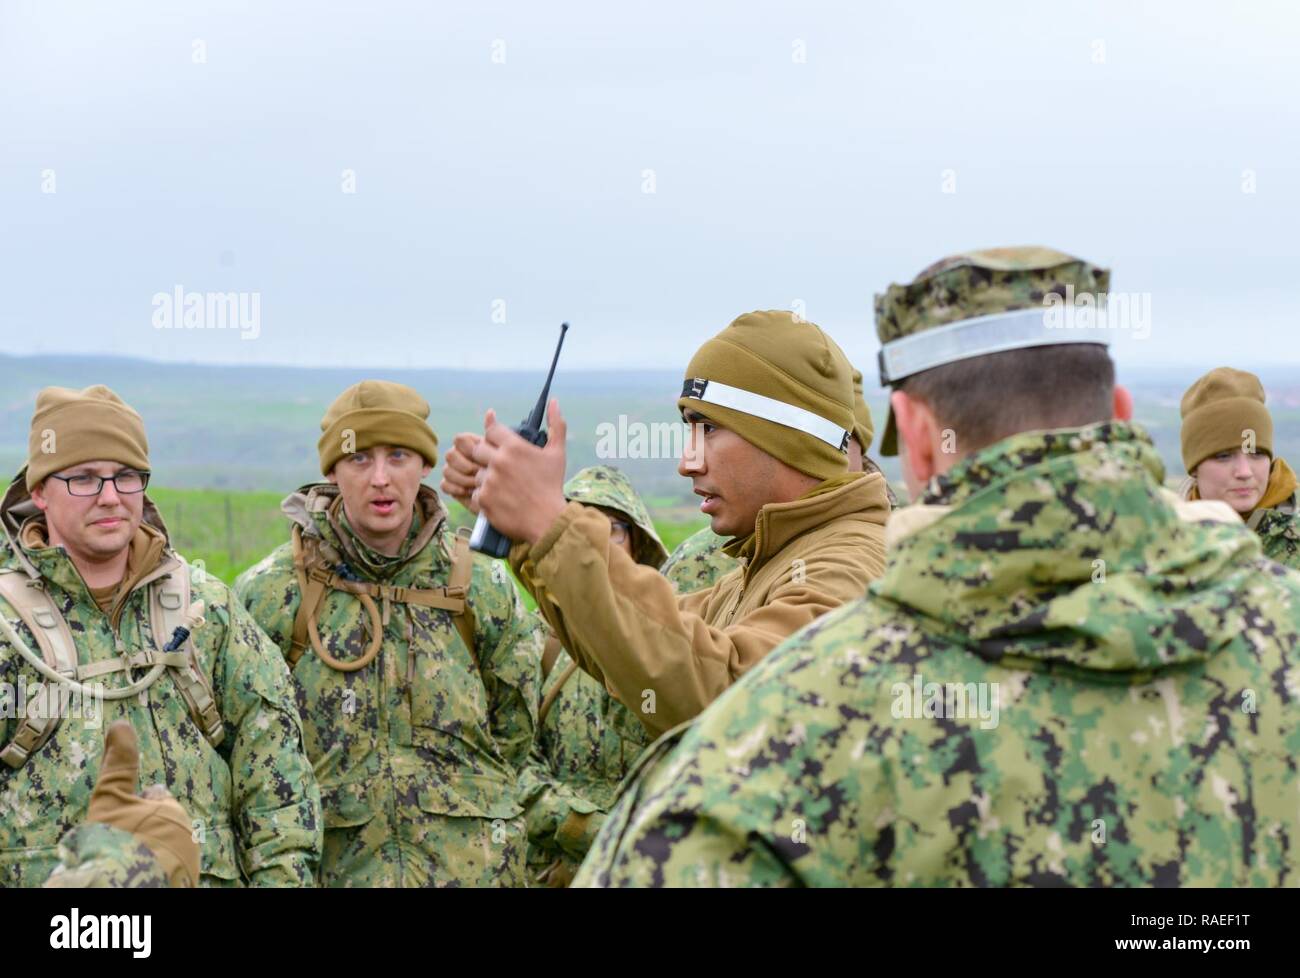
point(100, 620)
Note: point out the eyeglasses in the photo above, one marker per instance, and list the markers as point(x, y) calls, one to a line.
point(127, 482)
point(619, 532)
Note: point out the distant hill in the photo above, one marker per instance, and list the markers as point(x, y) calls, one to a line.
point(255, 428)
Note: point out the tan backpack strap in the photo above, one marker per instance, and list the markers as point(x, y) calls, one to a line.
point(549, 699)
point(169, 599)
point(313, 581)
point(462, 568)
point(550, 652)
point(311, 590)
point(38, 612)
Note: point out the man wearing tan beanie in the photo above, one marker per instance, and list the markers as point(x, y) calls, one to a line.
point(103, 608)
point(414, 660)
point(698, 561)
point(1115, 637)
point(770, 404)
point(1227, 437)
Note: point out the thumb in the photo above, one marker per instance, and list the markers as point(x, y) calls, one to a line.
point(119, 771)
point(558, 429)
point(489, 419)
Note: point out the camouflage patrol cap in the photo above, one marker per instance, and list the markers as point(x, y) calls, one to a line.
point(971, 294)
point(606, 486)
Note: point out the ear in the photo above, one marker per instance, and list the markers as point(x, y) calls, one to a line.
point(38, 496)
point(331, 477)
point(917, 435)
point(1123, 404)
point(425, 470)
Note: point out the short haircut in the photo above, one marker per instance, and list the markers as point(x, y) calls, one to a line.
point(988, 398)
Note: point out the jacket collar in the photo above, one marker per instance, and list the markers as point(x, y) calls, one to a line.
point(861, 498)
point(318, 509)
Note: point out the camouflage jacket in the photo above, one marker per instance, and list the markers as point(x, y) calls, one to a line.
point(1277, 527)
point(586, 745)
point(1066, 676)
point(99, 855)
point(587, 741)
point(253, 798)
point(1279, 535)
point(416, 752)
point(698, 562)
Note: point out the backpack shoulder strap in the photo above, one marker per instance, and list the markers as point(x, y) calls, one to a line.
point(314, 580)
point(169, 599)
point(311, 591)
point(554, 693)
point(462, 569)
point(38, 612)
point(550, 652)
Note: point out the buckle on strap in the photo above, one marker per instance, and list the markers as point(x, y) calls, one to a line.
point(320, 575)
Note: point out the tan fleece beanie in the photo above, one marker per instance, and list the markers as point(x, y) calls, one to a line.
point(782, 385)
point(376, 412)
point(1219, 411)
point(90, 425)
point(862, 427)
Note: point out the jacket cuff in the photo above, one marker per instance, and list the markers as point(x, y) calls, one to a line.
point(525, 556)
point(578, 831)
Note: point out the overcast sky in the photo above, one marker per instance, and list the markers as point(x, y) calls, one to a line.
point(501, 155)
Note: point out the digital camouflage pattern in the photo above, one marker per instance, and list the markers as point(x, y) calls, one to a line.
point(588, 740)
point(1278, 527)
point(416, 752)
point(1145, 660)
point(99, 855)
point(586, 745)
point(253, 798)
point(980, 283)
point(607, 487)
point(1279, 535)
point(698, 562)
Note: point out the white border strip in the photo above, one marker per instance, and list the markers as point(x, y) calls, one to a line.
point(770, 409)
point(976, 337)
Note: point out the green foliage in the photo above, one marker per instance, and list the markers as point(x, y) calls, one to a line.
point(228, 531)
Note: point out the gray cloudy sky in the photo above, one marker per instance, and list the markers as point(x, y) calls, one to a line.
point(798, 153)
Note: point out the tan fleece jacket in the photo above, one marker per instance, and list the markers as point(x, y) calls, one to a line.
point(667, 656)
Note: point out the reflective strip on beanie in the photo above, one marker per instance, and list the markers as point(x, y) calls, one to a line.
point(767, 408)
point(976, 337)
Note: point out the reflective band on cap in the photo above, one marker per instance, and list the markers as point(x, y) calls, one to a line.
point(767, 408)
point(976, 337)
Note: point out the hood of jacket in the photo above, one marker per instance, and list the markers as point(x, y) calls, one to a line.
point(1062, 550)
